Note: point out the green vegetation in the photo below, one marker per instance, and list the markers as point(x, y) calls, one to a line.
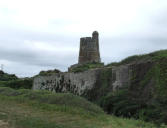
point(64, 101)
point(102, 87)
point(43, 109)
point(146, 97)
point(87, 66)
point(154, 56)
point(10, 80)
point(18, 84)
point(7, 77)
point(49, 72)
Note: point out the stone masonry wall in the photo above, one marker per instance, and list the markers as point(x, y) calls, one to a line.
point(87, 82)
point(79, 83)
point(75, 83)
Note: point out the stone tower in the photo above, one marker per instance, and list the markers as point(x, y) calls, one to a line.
point(89, 49)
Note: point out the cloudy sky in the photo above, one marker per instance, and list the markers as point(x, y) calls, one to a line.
point(39, 35)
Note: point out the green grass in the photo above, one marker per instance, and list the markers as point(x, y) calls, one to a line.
point(43, 109)
point(146, 97)
point(154, 56)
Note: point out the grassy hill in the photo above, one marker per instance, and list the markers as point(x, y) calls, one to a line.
point(154, 56)
point(43, 109)
point(144, 98)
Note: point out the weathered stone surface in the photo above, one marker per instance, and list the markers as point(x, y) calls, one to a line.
point(76, 83)
point(79, 83)
point(91, 81)
point(121, 75)
point(89, 49)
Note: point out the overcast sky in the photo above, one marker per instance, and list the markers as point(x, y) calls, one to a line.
point(39, 35)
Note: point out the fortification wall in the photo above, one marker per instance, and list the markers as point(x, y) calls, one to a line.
point(94, 83)
point(75, 83)
point(81, 83)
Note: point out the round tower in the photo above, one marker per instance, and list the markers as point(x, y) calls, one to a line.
point(95, 35)
point(89, 49)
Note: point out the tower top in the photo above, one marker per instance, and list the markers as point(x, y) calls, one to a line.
point(95, 33)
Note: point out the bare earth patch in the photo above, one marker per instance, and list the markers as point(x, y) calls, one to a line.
point(4, 124)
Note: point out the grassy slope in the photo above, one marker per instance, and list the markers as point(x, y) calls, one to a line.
point(133, 100)
point(42, 109)
point(154, 56)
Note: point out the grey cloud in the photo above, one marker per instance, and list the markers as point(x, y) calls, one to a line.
point(112, 49)
point(19, 34)
point(14, 50)
point(160, 18)
point(28, 56)
point(28, 61)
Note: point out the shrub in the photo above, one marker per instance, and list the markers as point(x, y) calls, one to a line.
point(18, 84)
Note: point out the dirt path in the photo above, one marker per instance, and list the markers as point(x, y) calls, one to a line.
point(4, 124)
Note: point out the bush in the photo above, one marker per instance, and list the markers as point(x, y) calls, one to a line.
point(7, 77)
point(120, 103)
point(18, 84)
